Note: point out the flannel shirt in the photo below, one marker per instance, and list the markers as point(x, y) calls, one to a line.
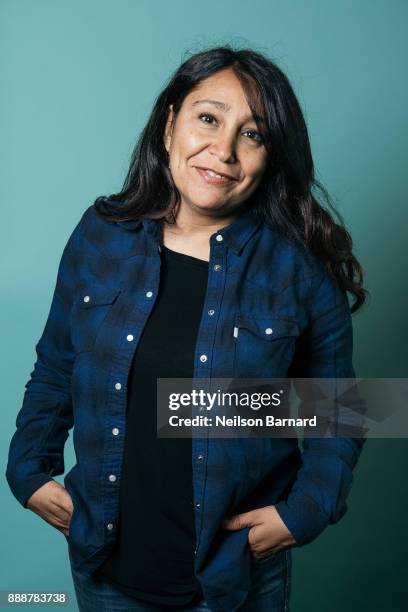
point(107, 283)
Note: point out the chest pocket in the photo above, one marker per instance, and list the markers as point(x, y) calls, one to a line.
point(263, 346)
point(90, 309)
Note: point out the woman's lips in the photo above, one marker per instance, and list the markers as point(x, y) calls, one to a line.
point(214, 180)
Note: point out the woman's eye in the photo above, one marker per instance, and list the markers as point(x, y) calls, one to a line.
point(205, 115)
point(257, 136)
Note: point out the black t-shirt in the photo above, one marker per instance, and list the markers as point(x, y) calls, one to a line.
point(153, 559)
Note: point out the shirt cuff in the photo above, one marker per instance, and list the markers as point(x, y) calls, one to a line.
point(23, 488)
point(302, 516)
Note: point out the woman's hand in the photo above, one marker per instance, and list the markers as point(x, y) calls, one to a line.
point(53, 503)
point(268, 533)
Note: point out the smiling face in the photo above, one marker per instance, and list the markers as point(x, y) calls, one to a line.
point(215, 131)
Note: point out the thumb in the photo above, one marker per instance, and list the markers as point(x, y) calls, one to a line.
point(239, 521)
point(64, 501)
point(67, 504)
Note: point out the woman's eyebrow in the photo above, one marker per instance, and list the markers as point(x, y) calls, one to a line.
point(221, 105)
point(226, 107)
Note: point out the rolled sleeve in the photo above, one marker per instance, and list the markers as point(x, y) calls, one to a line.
point(318, 495)
point(36, 448)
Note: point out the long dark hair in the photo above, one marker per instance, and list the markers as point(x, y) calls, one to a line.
point(284, 196)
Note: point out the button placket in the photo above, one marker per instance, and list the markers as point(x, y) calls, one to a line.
point(218, 266)
point(116, 404)
point(214, 292)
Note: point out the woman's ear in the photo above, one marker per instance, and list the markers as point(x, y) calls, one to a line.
point(168, 131)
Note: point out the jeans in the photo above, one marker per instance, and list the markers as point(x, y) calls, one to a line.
point(270, 591)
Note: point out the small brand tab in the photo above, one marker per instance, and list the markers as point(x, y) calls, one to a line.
point(235, 332)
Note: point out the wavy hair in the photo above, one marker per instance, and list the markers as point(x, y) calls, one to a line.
point(284, 196)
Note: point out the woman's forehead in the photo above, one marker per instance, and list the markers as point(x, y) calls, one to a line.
point(223, 82)
point(222, 94)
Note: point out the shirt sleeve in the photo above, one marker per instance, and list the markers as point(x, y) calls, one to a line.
point(323, 482)
point(36, 448)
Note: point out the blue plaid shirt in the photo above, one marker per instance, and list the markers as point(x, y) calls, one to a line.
point(107, 284)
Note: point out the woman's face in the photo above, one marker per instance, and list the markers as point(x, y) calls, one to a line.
point(215, 130)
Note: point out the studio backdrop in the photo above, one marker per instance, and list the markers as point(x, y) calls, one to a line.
point(78, 80)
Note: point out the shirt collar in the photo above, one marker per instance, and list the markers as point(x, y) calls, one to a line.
point(235, 235)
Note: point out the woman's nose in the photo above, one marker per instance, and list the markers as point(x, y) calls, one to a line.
point(224, 147)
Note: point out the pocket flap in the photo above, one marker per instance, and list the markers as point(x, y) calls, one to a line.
point(269, 328)
point(97, 296)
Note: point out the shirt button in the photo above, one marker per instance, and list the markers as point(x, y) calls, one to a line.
point(129, 337)
point(198, 505)
point(200, 456)
point(109, 526)
point(115, 431)
point(217, 267)
point(86, 298)
point(118, 386)
point(268, 330)
point(112, 477)
point(149, 293)
point(211, 312)
point(203, 358)
point(218, 237)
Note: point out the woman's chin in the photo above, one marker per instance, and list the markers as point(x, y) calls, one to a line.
point(206, 205)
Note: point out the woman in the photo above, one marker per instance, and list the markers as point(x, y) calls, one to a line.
point(215, 260)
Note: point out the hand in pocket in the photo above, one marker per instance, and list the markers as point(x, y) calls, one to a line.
point(268, 533)
point(53, 503)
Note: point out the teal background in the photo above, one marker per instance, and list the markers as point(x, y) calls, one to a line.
point(78, 80)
